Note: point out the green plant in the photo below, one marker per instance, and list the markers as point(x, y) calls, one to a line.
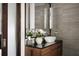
point(29, 33)
point(39, 34)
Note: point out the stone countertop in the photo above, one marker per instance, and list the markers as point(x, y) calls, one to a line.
point(44, 45)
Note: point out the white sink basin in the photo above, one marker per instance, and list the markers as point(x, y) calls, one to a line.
point(50, 38)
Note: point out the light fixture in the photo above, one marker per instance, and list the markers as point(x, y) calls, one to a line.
point(50, 18)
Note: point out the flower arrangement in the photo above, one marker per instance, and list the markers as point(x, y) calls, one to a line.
point(36, 33)
point(29, 33)
point(40, 33)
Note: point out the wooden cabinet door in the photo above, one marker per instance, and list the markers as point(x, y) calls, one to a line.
point(32, 51)
point(27, 51)
point(54, 52)
point(36, 52)
point(59, 51)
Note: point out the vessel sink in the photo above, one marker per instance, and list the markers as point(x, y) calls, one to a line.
point(50, 38)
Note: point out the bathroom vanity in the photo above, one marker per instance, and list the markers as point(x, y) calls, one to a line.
point(46, 49)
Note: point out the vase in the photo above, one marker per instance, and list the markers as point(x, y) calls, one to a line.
point(32, 39)
point(39, 40)
point(29, 40)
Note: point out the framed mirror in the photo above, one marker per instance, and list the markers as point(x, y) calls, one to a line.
point(39, 16)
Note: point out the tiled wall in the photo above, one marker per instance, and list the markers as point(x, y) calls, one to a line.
point(66, 17)
point(66, 24)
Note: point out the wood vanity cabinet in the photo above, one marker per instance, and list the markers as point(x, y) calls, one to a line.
point(51, 50)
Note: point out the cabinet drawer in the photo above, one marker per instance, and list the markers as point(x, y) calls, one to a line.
point(55, 46)
point(50, 53)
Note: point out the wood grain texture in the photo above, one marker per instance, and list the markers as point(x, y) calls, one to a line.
point(4, 28)
point(53, 50)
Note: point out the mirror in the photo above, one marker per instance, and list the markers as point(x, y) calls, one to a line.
point(39, 16)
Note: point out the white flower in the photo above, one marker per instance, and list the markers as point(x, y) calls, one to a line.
point(35, 32)
point(41, 31)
